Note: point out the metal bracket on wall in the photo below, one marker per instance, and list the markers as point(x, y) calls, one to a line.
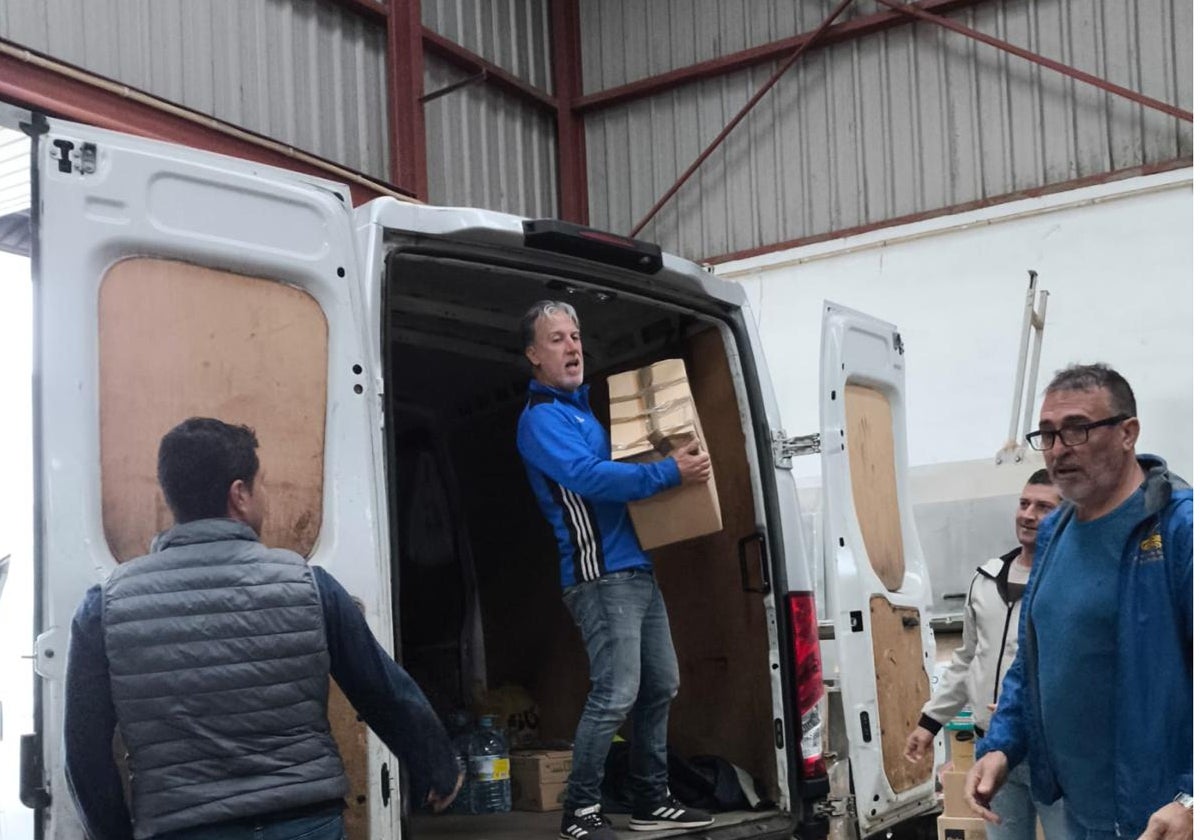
point(1015, 449)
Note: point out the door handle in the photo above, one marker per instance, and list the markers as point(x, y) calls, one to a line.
point(764, 569)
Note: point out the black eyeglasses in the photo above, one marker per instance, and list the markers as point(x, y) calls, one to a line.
point(1072, 434)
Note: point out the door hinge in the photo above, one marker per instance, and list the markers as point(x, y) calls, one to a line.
point(836, 807)
point(786, 448)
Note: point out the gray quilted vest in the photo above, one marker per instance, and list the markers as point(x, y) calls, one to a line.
point(220, 679)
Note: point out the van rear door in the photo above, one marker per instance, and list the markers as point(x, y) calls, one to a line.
point(170, 283)
point(876, 581)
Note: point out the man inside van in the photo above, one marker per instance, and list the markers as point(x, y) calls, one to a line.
point(991, 617)
point(212, 654)
point(1099, 697)
point(608, 581)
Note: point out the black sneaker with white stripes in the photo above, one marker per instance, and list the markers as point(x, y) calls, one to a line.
point(586, 824)
point(669, 813)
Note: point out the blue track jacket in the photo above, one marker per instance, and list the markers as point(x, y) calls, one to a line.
point(580, 489)
point(1153, 737)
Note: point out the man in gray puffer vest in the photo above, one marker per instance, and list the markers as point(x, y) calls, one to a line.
point(213, 656)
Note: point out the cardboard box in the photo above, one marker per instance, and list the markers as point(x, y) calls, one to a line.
point(652, 412)
point(954, 804)
point(962, 748)
point(539, 779)
point(961, 828)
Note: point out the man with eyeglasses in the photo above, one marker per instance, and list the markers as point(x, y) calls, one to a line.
point(1099, 698)
point(991, 617)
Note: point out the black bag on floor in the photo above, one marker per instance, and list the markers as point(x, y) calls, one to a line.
point(707, 781)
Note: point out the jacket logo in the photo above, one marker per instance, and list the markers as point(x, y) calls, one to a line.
point(579, 419)
point(1150, 550)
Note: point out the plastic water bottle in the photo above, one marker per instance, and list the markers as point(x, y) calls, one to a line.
point(460, 734)
point(491, 787)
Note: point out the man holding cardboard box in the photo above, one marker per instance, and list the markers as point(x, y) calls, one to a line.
point(608, 581)
point(991, 616)
point(1099, 698)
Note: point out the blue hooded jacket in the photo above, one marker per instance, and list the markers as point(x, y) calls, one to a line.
point(580, 489)
point(1153, 737)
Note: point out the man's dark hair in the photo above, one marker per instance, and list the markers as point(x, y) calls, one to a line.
point(1041, 476)
point(543, 309)
point(198, 460)
point(1090, 377)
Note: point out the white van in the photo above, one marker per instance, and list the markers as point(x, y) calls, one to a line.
point(375, 350)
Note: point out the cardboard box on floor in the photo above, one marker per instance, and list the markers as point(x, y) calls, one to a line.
point(961, 828)
point(539, 779)
point(652, 412)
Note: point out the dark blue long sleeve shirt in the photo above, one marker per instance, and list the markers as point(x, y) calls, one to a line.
point(382, 693)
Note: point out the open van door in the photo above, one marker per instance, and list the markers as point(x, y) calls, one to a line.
point(876, 582)
point(170, 283)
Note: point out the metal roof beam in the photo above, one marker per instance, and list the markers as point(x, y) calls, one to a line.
point(848, 31)
point(916, 13)
point(497, 76)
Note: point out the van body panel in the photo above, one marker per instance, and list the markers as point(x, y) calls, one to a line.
point(106, 197)
point(876, 578)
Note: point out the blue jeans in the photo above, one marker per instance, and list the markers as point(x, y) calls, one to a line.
point(623, 621)
point(1018, 811)
point(323, 826)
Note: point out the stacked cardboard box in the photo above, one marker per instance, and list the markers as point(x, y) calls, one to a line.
point(539, 779)
point(961, 828)
point(652, 413)
point(954, 803)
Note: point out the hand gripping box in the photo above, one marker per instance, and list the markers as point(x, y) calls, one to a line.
point(652, 412)
point(539, 779)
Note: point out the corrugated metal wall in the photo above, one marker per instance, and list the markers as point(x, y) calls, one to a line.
point(909, 120)
point(487, 148)
point(300, 71)
point(513, 34)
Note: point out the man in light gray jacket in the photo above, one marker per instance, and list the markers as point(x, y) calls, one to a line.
point(991, 617)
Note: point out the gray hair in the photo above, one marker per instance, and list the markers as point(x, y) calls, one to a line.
point(1098, 376)
point(543, 309)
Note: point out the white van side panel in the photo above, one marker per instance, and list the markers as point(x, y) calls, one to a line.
point(106, 197)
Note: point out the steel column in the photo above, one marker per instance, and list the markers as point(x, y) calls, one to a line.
point(406, 86)
point(762, 91)
point(1049, 63)
point(568, 84)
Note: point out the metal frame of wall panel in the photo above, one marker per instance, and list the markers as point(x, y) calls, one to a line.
point(65, 91)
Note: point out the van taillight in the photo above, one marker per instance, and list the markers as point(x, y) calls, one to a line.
point(806, 667)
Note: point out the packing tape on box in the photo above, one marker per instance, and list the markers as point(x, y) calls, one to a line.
point(646, 390)
point(663, 441)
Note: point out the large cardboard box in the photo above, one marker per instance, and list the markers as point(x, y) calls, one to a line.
point(954, 804)
point(961, 828)
point(539, 779)
point(652, 412)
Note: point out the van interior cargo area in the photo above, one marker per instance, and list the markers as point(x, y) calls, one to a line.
point(475, 565)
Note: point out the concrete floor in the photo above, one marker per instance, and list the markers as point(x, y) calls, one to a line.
point(524, 825)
